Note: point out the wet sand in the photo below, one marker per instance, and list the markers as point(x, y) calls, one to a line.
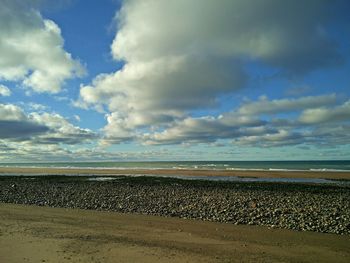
point(258, 174)
point(43, 234)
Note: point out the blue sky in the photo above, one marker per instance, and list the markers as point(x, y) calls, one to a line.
point(174, 80)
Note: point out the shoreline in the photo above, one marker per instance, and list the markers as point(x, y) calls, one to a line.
point(179, 172)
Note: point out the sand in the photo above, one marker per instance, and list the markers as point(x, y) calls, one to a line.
point(43, 234)
point(264, 174)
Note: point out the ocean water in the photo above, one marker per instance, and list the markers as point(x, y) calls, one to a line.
point(229, 179)
point(339, 166)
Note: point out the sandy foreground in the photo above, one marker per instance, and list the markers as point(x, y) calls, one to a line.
point(43, 234)
point(265, 174)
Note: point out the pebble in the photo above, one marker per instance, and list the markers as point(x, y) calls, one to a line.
point(319, 208)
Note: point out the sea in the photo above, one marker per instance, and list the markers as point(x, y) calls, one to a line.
point(326, 166)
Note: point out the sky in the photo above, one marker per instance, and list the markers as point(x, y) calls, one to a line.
point(143, 80)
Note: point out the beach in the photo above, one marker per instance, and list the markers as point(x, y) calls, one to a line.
point(43, 234)
point(181, 172)
point(100, 215)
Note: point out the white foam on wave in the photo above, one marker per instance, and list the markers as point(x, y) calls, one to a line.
point(210, 166)
point(102, 178)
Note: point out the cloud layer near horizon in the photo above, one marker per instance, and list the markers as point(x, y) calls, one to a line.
point(248, 126)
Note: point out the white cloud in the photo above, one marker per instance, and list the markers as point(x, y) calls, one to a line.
point(77, 118)
point(15, 124)
point(280, 138)
point(26, 151)
point(207, 129)
point(331, 135)
point(61, 130)
point(37, 106)
point(263, 105)
point(323, 114)
point(31, 49)
point(40, 128)
point(116, 130)
point(4, 91)
point(182, 55)
point(225, 28)
point(246, 125)
point(10, 112)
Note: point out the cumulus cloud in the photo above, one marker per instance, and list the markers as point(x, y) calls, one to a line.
point(62, 131)
point(314, 125)
point(40, 128)
point(116, 130)
point(262, 30)
point(10, 112)
point(183, 55)
point(16, 125)
point(280, 138)
point(31, 48)
point(333, 135)
point(206, 129)
point(246, 125)
point(264, 105)
point(20, 130)
point(4, 91)
point(323, 114)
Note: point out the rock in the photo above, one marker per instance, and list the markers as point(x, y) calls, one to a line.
point(299, 207)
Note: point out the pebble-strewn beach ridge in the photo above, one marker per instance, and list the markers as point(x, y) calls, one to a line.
point(303, 207)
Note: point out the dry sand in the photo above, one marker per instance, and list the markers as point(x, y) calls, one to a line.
point(42, 234)
point(265, 174)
